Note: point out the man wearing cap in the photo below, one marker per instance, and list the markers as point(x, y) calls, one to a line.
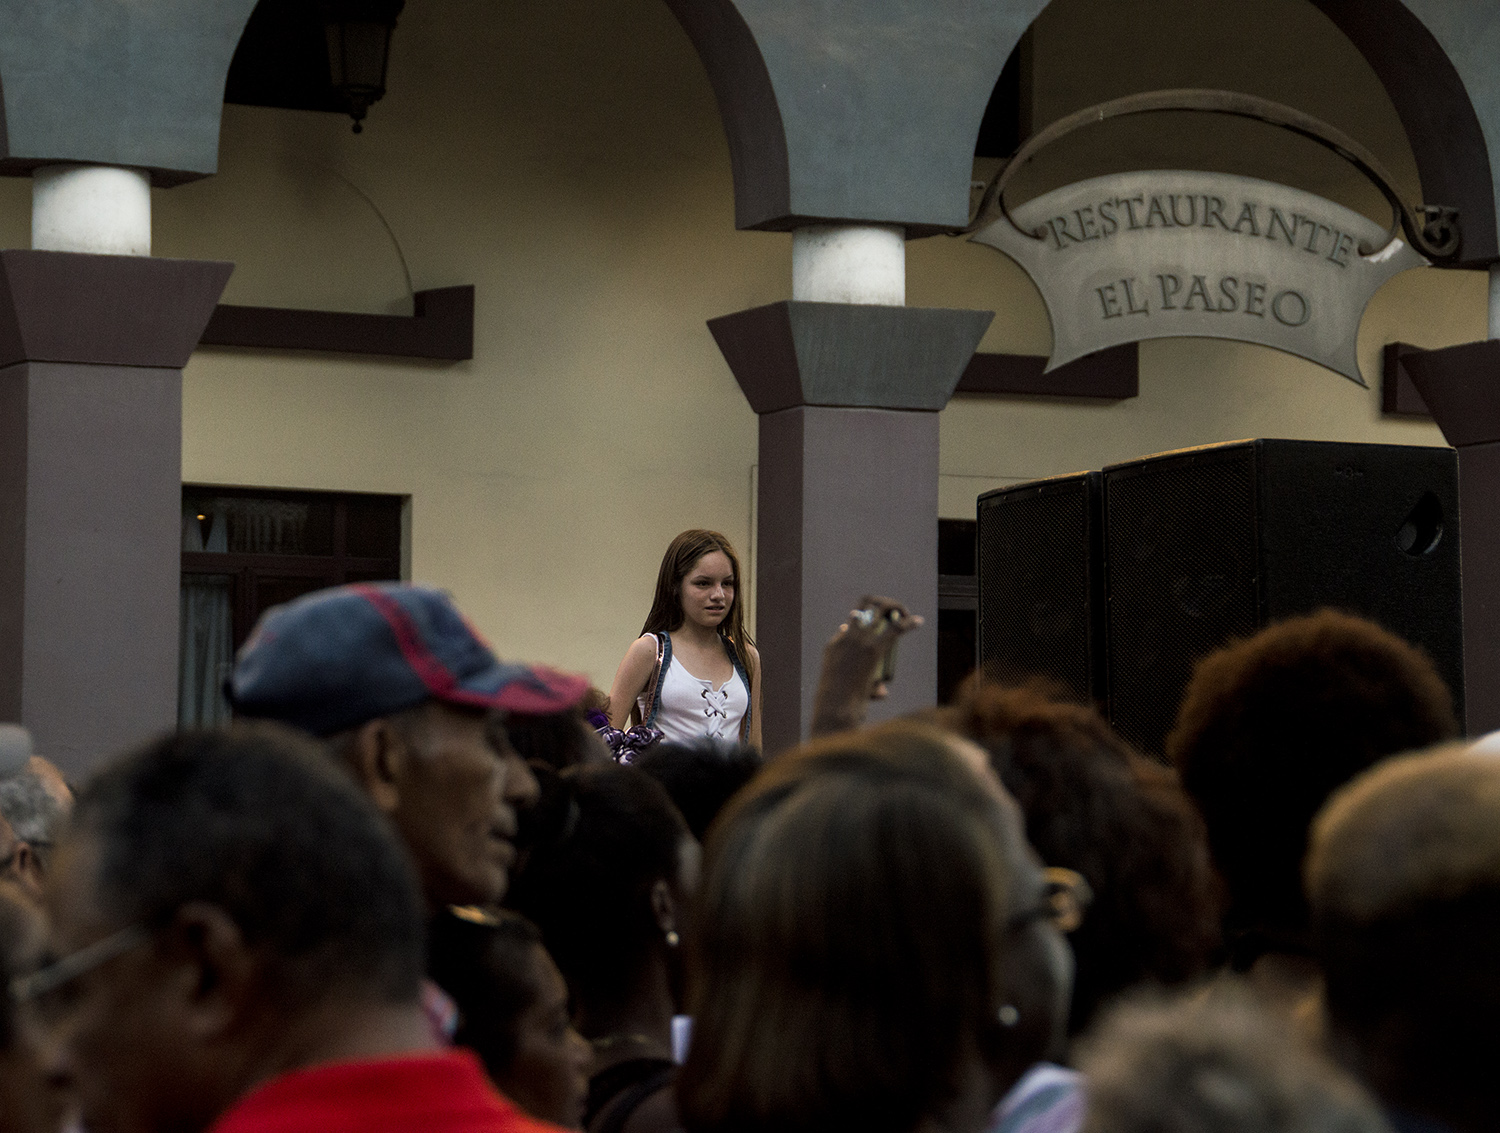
point(394, 678)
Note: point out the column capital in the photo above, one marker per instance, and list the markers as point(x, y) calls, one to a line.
point(106, 83)
point(104, 310)
point(1461, 386)
point(848, 355)
point(833, 113)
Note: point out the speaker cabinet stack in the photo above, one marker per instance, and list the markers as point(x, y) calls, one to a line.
point(1115, 584)
point(1041, 584)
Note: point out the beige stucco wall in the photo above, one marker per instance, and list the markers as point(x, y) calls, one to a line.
point(567, 159)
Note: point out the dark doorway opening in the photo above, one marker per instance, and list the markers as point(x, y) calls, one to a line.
point(958, 605)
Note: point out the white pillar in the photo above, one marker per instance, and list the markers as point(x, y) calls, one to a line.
point(850, 263)
point(104, 209)
point(1495, 300)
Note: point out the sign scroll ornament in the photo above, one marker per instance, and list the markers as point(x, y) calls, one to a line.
point(1184, 254)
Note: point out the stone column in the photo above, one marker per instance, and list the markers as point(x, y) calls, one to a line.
point(849, 263)
point(848, 395)
point(91, 353)
point(1461, 386)
point(91, 208)
point(1494, 324)
point(100, 102)
point(838, 134)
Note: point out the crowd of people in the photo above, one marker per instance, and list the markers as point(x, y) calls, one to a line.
point(414, 887)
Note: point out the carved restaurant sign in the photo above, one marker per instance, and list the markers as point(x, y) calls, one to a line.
point(1155, 254)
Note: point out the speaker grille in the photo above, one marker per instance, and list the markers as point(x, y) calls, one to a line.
point(1180, 575)
point(1035, 579)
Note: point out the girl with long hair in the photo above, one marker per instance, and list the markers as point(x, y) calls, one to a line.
point(694, 671)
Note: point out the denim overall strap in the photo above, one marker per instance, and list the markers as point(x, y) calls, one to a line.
point(663, 661)
point(744, 675)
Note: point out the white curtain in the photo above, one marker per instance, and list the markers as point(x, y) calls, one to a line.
point(272, 527)
point(205, 650)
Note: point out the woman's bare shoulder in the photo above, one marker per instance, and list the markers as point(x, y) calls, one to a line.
point(643, 646)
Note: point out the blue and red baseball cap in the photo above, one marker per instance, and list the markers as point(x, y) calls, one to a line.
point(336, 658)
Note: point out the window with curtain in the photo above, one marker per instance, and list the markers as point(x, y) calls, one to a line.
point(245, 550)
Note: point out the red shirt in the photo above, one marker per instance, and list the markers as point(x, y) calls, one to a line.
point(431, 1093)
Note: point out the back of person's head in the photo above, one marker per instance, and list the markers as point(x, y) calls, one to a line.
point(1095, 806)
point(1403, 875)
point(1270, 726)
point(867, 935)
point(701, 775)
point(1213, 1064)
point(607, 848)
point(257, 822)
point(558, 740)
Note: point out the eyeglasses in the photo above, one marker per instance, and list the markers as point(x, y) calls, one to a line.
point(51, 977)
point(1066, 895)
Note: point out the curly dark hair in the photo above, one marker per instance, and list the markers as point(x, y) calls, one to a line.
point(701, 775)
point(601, 836)
point(560, 739)
point(1093, 805)
point(1269, 726)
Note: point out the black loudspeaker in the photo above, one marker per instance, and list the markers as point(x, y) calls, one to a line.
point(1041, 586)
point(1211, 543)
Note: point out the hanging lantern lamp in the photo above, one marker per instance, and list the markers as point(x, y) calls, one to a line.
point(359, 48)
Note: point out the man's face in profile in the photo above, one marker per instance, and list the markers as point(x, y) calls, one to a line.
point(29, 1101)
point(113, 1036)
point(457, 805)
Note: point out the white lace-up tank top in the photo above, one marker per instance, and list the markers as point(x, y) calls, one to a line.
point(692, 708)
